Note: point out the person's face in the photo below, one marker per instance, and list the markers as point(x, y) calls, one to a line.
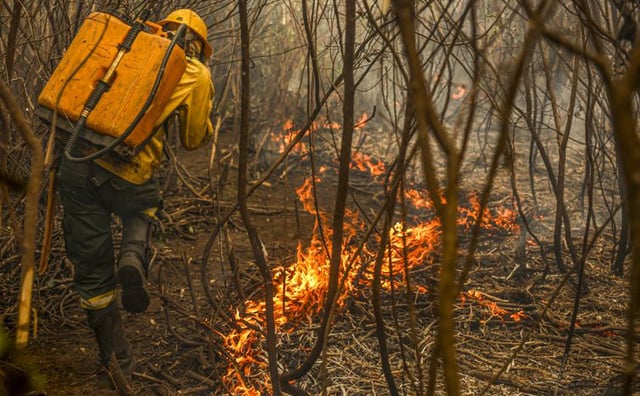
point(193, 43)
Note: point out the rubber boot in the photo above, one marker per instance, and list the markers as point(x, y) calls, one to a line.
point(132, 263)
point(131, 273)
point(112, 340)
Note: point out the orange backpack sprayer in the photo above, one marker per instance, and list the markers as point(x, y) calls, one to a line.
point(111, 85)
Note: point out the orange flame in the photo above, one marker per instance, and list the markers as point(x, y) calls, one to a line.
point(302, 286)
point(365, 163)
point(461, 91)
point(492, 307)
point(364, 118)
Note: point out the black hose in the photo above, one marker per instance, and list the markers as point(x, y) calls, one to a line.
point(82, 121)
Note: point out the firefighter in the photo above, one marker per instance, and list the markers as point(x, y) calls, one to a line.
point(93, 191)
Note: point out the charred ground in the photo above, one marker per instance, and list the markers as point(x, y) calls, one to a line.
point(513, 315)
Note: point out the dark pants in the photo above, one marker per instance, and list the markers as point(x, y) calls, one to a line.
point(90, 195)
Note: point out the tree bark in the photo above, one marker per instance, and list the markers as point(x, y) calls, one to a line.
point(30, 217)
point(256, 244)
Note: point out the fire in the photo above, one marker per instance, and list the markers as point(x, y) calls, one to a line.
point(461, 91)
point(365, 163)
point(500, 219)
point(284, 139)
point(492, 307)
point(420, 243)
point(418, 199)
point(302, 286)
point(305, 194)
point(364, 118)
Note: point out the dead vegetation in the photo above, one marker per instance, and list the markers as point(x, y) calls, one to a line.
point(329, 242)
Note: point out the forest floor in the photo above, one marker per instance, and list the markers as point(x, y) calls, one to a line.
point(509, 320)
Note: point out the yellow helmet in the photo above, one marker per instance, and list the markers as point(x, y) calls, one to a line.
point(194, 22)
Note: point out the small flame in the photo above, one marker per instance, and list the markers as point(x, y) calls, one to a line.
point(495, 311)
point(461, 91)
point(364, 118)
point(365, 163)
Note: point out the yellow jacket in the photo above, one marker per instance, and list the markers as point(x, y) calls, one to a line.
point(193, 101)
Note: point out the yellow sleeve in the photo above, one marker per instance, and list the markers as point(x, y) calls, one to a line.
point(193, 99)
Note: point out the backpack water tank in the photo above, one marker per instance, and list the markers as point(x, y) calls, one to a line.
point(86, 61)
